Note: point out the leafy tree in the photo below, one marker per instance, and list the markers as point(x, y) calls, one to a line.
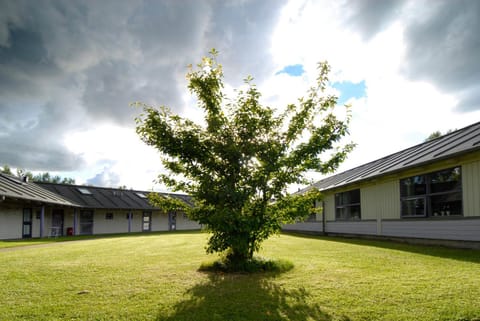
point(239, 164)
point(45, 177)
point(6, 170)
point(433, 135)
point(437, 134)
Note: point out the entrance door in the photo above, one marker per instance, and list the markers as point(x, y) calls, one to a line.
point(27, 223)
point(57, 222)
point(172, 221)
point(86, 222)
point(147, 222)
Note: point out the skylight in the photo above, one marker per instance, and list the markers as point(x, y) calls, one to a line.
point(84, 191)
point(141, 195)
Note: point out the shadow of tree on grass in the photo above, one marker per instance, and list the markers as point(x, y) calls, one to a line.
point(249, 297)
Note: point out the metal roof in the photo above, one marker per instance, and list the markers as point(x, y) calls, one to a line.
point(459, 142)
point(15, 188)
point(107, 198)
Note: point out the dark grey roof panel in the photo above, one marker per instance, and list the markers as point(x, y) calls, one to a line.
point(459, 142)
point(108, 198)
point(15, 188)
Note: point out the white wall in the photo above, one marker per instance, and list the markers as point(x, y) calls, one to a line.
point(159, 221)
point(11, 220)
point(184, 223)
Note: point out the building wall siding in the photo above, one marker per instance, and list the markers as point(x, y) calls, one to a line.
point(159, 221)
point(304, 226)
point(11, 223)
point(461, 229)
point(352, 227)
point(471, 188)
point(380, 201)
point(184, 223)
point(329, 200)
point(119, 223)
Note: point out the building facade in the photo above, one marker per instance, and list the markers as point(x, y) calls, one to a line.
point(430, 191)
point(31, 210)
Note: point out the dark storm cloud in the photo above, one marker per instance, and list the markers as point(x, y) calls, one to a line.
point(444, 47)
point(371, 16)
point(112, 85)
point(241, 32)
point(442, 41)
point(30, 138)
point(69, 65)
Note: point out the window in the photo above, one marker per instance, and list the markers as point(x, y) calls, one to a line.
point(433, 194)
point(141, 195)
point(312, 217)
point(347, 205)
point(84, 191)
point(109, 216)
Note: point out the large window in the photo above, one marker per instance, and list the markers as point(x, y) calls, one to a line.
point(433, 194)
point(347, 205)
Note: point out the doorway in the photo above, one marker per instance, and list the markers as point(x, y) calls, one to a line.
point(58, 218)
point(86, 222)
point(172, 221)
point(147, 222)
point(27, 223)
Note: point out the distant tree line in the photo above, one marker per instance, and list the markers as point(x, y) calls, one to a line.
point(437, 134)
point(45, 177)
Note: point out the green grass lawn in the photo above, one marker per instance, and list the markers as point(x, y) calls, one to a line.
point(156, 277)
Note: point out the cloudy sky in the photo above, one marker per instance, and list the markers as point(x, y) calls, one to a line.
point(70, 69)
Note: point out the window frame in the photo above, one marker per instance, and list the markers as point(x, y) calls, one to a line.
point(341, 205)
point(430, 194)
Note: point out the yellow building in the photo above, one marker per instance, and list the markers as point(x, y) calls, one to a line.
point(430, 191)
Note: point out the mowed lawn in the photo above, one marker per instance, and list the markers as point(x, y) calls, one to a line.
point(156, 277)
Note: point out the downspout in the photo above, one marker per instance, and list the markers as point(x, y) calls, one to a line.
point(42, 220)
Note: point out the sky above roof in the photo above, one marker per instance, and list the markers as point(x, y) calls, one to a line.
point(69, 71)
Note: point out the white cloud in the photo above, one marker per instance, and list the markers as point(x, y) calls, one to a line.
point(396, 112)
point(117, 155)
point(68, 68)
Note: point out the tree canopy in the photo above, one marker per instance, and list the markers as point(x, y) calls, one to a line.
point(436, 134)
point(44, 177)
point(238, 164)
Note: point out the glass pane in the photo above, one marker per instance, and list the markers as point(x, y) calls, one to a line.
point(353, 212)
point(146, 226)
point(350, 197)
point(348, 213)
point(86, 217)
point(413, 207)
point(27, 230)
point(413, 186)
point(86, 229)
point(354, 196)
point(27, 215)
point(447, 204)
point(446, 180)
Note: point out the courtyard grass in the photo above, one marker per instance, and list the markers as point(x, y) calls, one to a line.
point(156, 277)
